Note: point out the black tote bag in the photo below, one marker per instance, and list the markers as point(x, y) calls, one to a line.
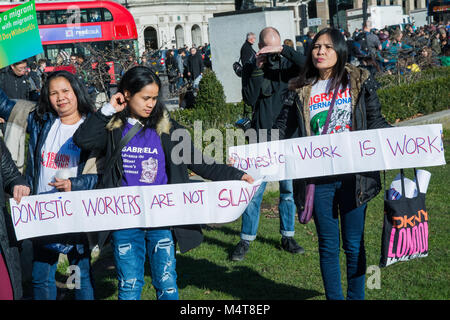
point(405, 227)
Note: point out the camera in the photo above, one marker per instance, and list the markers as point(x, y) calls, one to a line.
point(273, 60)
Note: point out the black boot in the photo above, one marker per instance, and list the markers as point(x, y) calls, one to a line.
point(290, 245)
point(240, 250)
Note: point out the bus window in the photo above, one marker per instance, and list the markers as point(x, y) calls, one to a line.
point(52, 50)
point(48, 17)
point(107, 16)
point(95, 15)
point(83, 15)
point(61, 16)
point(39, 15)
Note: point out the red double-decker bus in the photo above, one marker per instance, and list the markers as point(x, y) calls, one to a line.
point(69, 26)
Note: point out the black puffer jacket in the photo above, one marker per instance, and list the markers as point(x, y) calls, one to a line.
point(9, 177)
point(103, 133)
point(294, 121)
point(14, 86)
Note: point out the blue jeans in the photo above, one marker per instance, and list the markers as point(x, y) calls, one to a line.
point(180, 82)
point(44, 269)
point(286, 208)
point(130, 248)
point(330, 201)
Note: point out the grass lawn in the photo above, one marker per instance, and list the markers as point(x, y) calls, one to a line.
point(206, 273)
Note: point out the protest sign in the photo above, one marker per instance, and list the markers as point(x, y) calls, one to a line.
point(131, 207)
point(340, 153)
point(20, 37)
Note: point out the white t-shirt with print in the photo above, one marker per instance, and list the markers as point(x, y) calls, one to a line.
point(319, 103)
point(59, 152)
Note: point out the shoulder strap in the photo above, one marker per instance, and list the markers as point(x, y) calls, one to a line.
point(330, 110)
point(122, 143)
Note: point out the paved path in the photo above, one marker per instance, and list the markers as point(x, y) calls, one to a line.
point(442, 117)
point(170, 102)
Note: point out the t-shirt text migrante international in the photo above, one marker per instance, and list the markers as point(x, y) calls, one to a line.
point(319, 103)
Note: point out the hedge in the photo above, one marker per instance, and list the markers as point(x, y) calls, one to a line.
point(430, 92)
point(210, 106)
point(401, 97)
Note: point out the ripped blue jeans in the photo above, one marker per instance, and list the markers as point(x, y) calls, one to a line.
point(130, 248)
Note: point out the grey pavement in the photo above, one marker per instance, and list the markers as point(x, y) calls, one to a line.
point(170, 102)
point(442, 117)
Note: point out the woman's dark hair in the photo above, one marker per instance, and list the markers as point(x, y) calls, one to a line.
point(85, 105)
point(310, 74)
point(133, 81)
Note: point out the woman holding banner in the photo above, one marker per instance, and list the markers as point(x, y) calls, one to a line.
point(12, 182)
point(334, 97)
point(135, 132)
point(55, 164)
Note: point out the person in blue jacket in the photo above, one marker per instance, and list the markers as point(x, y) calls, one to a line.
point(55, 164)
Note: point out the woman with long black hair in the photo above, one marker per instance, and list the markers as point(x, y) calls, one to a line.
point(333, 97)
point(55, 163)
point(142, 159)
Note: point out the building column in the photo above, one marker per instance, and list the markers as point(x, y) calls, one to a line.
point(421, 4)
point(188, 34)
point(323, 13)
point(357, 4)
point(141, 39)
point(409, 6)
point(205, 35)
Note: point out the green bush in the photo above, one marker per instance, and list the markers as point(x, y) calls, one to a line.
point(394, 80)
point(211, 95)
point(210, 106)
point(429, 93)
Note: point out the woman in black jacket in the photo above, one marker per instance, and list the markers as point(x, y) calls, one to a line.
point(55, 164)
point(12, 182)
point(149, 158)
point(356, 107)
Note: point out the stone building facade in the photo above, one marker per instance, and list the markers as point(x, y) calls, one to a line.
point(175, 23)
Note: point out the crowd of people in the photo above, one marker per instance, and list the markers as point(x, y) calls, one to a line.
point(183, 66)
point(392, 50)
point(280, 84)
point(24, 80)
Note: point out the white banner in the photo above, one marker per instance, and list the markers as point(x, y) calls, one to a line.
point(225, 201)
point(131, 207)
point(340, 153)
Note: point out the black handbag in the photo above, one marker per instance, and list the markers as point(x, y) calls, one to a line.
point(237, 67)
point(405, 227)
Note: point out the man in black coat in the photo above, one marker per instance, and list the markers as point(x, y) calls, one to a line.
point(14, 81)
point(247, 51)
point(195, 67)
point(265, 80)
point(264, 88)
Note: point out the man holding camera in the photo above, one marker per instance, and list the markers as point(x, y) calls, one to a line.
point(264, 88)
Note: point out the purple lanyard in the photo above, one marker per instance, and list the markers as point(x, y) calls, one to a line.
point(330, 110)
